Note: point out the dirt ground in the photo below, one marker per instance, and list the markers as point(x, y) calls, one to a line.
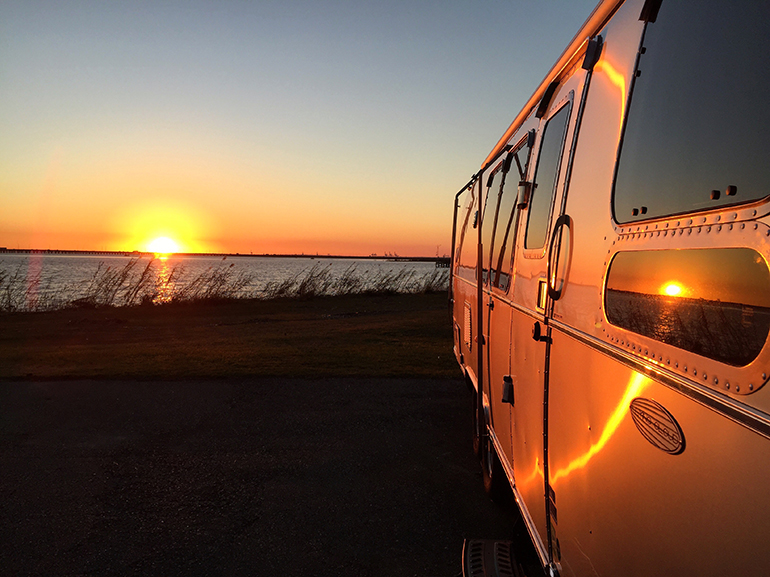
point(252, 476)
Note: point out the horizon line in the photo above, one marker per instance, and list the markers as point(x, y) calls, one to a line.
point(390, 256)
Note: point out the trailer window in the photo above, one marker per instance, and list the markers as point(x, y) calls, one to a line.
point(696, 133)
point(711, 302)
point(507, 218)
point(488, 220)
point(466, 253)
point(546, 176)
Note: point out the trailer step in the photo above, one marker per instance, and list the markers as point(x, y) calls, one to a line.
point(489, 558)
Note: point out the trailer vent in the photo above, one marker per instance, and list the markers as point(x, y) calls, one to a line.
point(467, 327)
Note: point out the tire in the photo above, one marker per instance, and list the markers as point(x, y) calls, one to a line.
point(495, 481)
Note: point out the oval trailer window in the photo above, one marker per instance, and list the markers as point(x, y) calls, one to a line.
point(711, 302)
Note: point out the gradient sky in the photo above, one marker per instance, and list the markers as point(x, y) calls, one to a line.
point(266, 127)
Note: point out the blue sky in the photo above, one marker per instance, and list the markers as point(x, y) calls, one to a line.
point(332, 127)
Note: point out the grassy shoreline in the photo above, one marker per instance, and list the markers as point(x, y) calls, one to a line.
point(139, 282)
point(393, 335)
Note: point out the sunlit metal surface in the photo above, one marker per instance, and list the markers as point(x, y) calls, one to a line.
point(635, 387)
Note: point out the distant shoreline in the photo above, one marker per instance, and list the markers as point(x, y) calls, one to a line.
point(123, 253)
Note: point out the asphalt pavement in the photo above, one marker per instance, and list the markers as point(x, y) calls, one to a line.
point(263, 476)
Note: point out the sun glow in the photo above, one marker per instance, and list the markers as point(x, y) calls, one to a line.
point(672, 289)
point(163, 246)
point(164, 228)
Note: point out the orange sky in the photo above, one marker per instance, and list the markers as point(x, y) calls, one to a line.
point(257, 128)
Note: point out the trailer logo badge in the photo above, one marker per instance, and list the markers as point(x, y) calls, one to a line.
point(657, 425)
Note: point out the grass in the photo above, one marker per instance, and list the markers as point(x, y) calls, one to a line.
point(139, 283)
point(382, 334)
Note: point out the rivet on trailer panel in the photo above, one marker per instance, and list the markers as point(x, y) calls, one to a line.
point(689, 222)
point(689, 231)
point(755, 226)
point(719, 228)
point(685, 368)
point(716, 381)
point(737, 387)
point(719, 217)
point(705, 377)
point(730, 227)
point(676, 365)
point(754, 212)
point(695, 372)
point(743, 226)
point(764, 376)
point(735, 215)
point(751, 386)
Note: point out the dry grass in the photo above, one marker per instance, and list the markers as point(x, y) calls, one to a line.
point(138, 282)
point(352, 335)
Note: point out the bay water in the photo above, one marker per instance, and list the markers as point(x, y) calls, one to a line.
point(45, 278)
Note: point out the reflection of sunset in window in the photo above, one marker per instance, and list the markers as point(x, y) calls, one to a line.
point(672, 289)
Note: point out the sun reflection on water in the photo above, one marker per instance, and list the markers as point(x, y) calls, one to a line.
point(164, 285)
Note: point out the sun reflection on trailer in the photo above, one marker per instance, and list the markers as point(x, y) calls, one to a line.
point(635, 386)
point(618, 80)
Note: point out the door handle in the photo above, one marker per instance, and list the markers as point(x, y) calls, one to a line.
point(552, 268)
point(537, 333)
point(508, 389)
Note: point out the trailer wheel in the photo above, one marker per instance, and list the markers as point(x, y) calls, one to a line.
point(495, 481)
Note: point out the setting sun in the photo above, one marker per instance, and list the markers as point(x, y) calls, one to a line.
point(672, 289)
point(163, 245)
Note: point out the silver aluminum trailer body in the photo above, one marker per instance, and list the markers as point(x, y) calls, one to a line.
point(611, 296)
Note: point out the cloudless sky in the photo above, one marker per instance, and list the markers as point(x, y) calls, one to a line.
point(341, 127)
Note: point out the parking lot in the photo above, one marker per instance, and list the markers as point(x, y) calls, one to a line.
point(262, 476)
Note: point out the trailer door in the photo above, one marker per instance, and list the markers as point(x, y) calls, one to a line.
point(530, 334)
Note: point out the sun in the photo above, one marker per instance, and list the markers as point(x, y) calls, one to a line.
point(163, 246)
point(672, 289)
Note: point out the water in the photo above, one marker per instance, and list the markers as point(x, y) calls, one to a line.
point(48, 281)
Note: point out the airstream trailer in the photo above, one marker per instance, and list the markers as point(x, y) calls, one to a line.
point(611, 296)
